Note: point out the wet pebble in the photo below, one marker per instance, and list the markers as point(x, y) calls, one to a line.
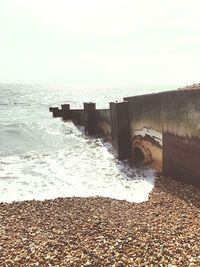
point(96, 231)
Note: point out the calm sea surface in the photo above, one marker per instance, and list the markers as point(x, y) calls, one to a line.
point(42, 157)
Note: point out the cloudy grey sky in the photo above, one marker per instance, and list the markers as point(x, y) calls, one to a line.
point(100, 42)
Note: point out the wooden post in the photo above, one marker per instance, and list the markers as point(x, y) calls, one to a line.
point(65, 111)
point(120, 129)
point(56, 111)
point(90, 118)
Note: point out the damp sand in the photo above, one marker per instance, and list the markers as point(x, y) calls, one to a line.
point(97, 231)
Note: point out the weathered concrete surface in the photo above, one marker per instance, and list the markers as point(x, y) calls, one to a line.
point(145, 115)
point(77, 116)
point(181, 135)
point(182, 158)
point(181, 113)
point(166, 129)
point(104, 123)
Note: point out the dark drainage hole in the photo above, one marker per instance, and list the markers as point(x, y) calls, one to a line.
point(139, 156)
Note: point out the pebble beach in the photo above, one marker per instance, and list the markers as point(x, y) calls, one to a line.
point(96, 231)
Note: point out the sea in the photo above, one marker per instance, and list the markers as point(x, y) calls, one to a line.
point(44, 158)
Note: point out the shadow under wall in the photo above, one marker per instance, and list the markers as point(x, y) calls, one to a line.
point(181, 158)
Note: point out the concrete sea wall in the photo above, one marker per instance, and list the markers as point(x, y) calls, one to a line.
point(165, 132)
point(181, 135)
point(161, 130)
point(145, 120)
point(96, 121)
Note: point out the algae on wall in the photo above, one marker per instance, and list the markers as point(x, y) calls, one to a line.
point(145, 115)
point(166, 128)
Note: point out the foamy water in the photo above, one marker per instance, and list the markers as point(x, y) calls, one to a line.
point(42, 157)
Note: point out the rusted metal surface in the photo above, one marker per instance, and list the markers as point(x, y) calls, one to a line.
point(181, 158)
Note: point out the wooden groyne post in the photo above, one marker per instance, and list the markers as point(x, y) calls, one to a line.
point(56, 111)
point(65, 111)
point(90, 118)
point(119, 112)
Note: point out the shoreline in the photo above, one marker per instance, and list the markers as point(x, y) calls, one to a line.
point(97, 231)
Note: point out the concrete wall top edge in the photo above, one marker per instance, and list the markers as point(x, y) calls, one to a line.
point(165, 93)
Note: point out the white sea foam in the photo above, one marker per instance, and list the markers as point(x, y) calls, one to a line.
point(42, 157)
point(86, 168)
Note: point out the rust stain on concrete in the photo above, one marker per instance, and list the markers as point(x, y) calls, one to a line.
point(151, 151)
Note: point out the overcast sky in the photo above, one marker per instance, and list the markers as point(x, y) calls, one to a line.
point(100, 42)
